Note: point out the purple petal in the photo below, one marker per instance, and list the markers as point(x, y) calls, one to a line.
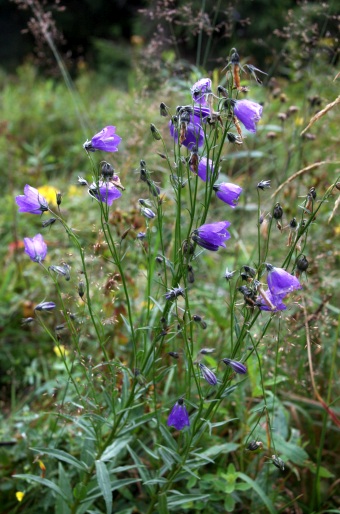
point(228, 193)
point(35, 248)
point(249, 113)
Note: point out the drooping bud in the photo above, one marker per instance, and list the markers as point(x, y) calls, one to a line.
point(107, 170)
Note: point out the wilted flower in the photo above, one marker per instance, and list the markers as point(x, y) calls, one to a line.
point(179, 417)
point(48, 222)
point(31, 201)
point(106, 140)
point(238, 367)
point(35, 248)
point(275, 300)
point(248, 112)
point(264, 184)
point(228, 274)
point(280, 282)
point(200, 89)
point(174, 293)
point(63, 270)
point(278, 462)
point(205, 168)
point(208, 375)
point(254, 445)
point(193, 133)
point(105, 192)
point(45, 306)
point(228, 193)
point(212, 235)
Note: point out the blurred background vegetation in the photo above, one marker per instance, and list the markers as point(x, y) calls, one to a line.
point(125, 57)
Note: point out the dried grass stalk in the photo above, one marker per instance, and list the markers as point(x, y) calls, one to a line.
point(319, 114)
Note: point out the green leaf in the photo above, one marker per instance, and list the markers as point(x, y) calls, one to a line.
point(96, 492)
point(63, 456)
point(103, 479)
point(115, 448)
point(229, 503)
point(44, 482)
point(267, 502)
point(163, 504)
point(178, 499)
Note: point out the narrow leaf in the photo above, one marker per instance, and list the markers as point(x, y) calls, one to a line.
point(103, 478)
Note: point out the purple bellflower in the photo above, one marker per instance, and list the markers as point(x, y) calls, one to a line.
point(45, 306)
point(106, 140)
point(228, 193)
point(106, 192)
point(248, 112)
point(208, 375)
point(275, 300)
point(31, 201)
point(194, 133)
point(179, 417)
point(280, 282)
point(199, 91)
point(205, 168)
point(238, 367)
point(35, 248)
point(212, 235)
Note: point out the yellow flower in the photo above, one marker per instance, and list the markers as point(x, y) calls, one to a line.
point(49, 192)
point(60, 350)
point(19, 495)
point(74, 191)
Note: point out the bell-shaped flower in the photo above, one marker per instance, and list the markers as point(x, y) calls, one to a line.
point(105, 192)
point(106, 140)
point(228, 193)
point(212, 235)
point(31, 201)
point(237, 366)
point(249, 113)
point(35, 248)
point(280, 282)
point(199, 91)
point(179, 417)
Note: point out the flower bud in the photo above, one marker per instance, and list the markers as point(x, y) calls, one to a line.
point(155, 133)
point(163, 110)
point(254, 445)
point(81, 288)
point(277, 212)
point(58, 198)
